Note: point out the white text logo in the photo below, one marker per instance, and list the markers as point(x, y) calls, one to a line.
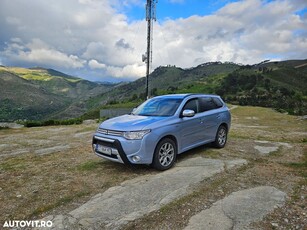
point(27, 223)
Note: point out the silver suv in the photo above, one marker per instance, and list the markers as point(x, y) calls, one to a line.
point(162, 127)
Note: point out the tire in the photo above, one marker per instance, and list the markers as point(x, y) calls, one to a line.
point(221, 137)
point(165, 154)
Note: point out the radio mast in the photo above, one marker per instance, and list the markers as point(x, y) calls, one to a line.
point(147, 57)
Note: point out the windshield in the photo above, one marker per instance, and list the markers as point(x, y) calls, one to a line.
point(158, 107)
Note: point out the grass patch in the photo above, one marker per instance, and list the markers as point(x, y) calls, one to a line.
point(14, 164)
point(212, 153)
point(87, 129)
point(88, 166)
point(37, 77)
point(177, 204)
point(60, 202)
point(238, 135)
point(300, 167)
point(297, 165)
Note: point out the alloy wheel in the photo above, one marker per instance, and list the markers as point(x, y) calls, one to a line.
point(166, 154)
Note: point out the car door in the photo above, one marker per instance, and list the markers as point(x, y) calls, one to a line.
point(190, 131)
point(210, 118)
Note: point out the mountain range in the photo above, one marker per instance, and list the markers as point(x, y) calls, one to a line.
point(40, 94)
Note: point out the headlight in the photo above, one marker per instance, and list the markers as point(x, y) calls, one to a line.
point(136, 135)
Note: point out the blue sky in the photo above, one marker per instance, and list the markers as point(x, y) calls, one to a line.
point(167, 9)
point(105, 39)
point(174, 9)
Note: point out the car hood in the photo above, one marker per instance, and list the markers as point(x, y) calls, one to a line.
point(130, 122)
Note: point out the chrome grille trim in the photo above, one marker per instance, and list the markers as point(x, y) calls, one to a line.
point(104, 139)
point(102, 131)
point(110, 132)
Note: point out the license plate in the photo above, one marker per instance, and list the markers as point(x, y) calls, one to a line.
point(104, 149)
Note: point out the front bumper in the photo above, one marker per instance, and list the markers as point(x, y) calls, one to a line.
point(117, 153)
point(121, 150)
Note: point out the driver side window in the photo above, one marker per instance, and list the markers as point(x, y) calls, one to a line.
point(192, 105)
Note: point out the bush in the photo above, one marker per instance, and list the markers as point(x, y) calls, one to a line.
point(73, 121)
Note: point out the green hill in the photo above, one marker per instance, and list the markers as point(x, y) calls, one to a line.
point(19, 99)
point(37, 93)
point(168, 79)
point(280, 85)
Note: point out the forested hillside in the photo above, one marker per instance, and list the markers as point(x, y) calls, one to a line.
point(280, 85)
point(277, 85)
point(40, 94)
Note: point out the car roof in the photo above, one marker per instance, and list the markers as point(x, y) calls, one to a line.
point(182, 96)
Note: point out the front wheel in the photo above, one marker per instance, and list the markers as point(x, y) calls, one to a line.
point(165, 154)
point(221, 137)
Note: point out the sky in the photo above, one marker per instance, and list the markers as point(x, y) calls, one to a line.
point(103, 40)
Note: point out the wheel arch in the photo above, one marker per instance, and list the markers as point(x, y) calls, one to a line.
point(221, 137)
point(172, 137)
point(225, 125)
point(154, 159)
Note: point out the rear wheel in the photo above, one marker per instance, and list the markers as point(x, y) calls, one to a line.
point(165, 154)
point(221, 137)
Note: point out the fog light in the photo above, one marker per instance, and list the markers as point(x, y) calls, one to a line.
point(94, 147)
point(136, 158)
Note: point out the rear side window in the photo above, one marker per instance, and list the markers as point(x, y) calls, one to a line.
point(218, 102)
point(209, 103)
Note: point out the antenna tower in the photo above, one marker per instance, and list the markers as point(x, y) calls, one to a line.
point(147, 57)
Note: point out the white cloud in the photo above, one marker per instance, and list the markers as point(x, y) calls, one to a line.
point(54, 57)
point(93, 64)
point(13, 21)
point(40, 53)
point(129, 71)
point(243, 32)
point(93, 35)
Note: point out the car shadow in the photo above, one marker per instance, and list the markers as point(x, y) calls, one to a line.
point(201, 150)
point(145, 169)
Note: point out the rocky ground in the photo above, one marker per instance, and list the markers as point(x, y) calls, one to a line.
point(54, 170)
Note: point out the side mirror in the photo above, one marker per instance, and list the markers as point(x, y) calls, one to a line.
point(188, 113)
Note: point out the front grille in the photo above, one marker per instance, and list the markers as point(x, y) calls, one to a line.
point(110, 132)
point(108, 144)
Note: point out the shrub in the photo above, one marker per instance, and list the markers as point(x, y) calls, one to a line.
point(73, 121)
